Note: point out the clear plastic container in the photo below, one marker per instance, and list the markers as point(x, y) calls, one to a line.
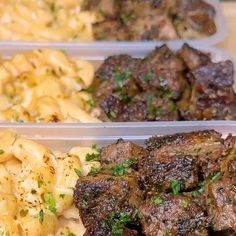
point(64, 137)
point(144, 45)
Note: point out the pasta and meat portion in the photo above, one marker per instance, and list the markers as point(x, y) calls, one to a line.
point(45, 85)
point(36, 187)
point(49, 20)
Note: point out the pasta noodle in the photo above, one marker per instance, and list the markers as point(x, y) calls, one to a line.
point(56, 20)
point(36, 188)
point(45, 85)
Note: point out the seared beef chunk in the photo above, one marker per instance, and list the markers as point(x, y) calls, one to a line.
point(192, 57)
point(121, 151)
point(161, 70)
point(107, 30)
point(221, 200)
point(172, 215)
point(161, 171)
point(102, 198)
point(107, 8)
point(228, 163)
point(193, 18)
point(207, 146)
point(212, 95)
point(116, 75)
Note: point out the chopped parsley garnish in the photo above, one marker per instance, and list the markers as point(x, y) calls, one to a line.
point(184, 204)
point(122, 168)
point(41, 216)
point(176, 186)
point(91, 102)
point(2, 151)
point(215, 177)
point(78, 172)
point(125, 98)
point(40, 183)
point(94, 170)
point(117, 230)
point(128, 17)
point(122, 77)
point(112, 115)
point(148, 77)
point(96, 148)
point(157, 200)
point(71, 234)
point(50, 202)
point(62, 195)
point(151, 109)
point(92, 157)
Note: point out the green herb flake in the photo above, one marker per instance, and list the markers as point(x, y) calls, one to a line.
point(41, 216)
point(40, 183)
point(184, 204)
point(117, 230)
point(157, 200)
point(94, 170)
point(62, 195)
point(215, 177)
point(123, 218)
point(71, 234)
point(176, 186)
point(96, 148)
point(50, 202)
point(92, 157)
point(78, 172)
point(122, 168)
point(2, 151)
point(91, 102)
point(122, 77)
point(148, 77)
point(112, 115)
point(126, 18)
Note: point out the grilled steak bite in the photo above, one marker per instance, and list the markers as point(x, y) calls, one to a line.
point(207, 146)
point(162, 171)
point(121, 151)
point(178, 185)
point(172, 215)
point(221, 200)
point(212, 95)
point(103, 198)
point(192, 57)
point(193, 17)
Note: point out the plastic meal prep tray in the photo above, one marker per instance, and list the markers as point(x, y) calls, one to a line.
point(96, 57)
point(64, 137)
point(145, 45)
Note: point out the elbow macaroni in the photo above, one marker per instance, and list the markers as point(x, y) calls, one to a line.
point(45, 85)
point(36, 188)
point(49, 20)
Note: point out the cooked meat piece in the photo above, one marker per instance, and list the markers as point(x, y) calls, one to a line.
point(207, 146)
point(161, 171)
point(104, 229)
point(113, 108)
point(111, 30)
point(107, 8)
point(221, 200)
point(224, 233)
point(193, 18)
point(150, 107)
point(116, 75)
point(212, 94)
point(192, 57)
point(172, 215)
point(100, 196)
point(161, 70)
point(228, 163)
point(121, 151)
point(152, 27)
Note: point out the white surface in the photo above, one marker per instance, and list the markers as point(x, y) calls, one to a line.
point(148, 45)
